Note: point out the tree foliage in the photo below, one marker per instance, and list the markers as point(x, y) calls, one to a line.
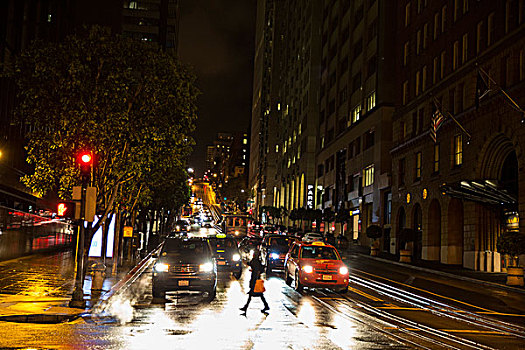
point(131, 104)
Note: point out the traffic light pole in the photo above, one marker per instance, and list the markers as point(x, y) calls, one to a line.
point(77, 299)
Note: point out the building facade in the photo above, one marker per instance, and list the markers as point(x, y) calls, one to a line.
point(155, 21)
point(457, 192)
point(262, 134)
point(356, 107)
point(296, 105)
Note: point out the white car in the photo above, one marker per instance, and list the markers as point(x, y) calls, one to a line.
point(313, 237)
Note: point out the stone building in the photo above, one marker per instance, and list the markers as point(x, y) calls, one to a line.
point(458, 192)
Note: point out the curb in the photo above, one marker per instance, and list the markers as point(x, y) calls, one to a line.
point(446, 274)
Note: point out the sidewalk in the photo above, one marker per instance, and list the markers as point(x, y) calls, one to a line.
point(38, 288)
point(493, 279)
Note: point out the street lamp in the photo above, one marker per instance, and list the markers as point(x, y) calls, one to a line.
point(190, 170)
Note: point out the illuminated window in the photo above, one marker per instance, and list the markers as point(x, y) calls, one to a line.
point(418, 42)
point(418, 166)
point(465, 6)
point(371, 101)
point(456, 10)
point(276, 148)
point(245, 141)
point(368, 176)
point(436, 158)
point(458, 150)
point(356, 113)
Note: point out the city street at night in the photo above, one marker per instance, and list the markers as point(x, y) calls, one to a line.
point(262, 174)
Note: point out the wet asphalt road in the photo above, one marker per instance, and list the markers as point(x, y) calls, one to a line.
point(186, 322)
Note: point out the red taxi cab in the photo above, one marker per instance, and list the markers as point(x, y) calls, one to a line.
point(315, 264)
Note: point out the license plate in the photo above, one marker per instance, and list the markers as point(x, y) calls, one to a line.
point(327, 277)
point(184, 283)
point(221, 262)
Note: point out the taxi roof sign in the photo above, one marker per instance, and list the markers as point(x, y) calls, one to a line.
point(220, 235)
point(318, 243)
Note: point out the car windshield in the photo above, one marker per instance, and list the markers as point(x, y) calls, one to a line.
point(280, 241)
point(319, 252)
point(185, 247)
point(223, 243)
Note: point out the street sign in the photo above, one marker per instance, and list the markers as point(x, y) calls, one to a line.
point(128, 231)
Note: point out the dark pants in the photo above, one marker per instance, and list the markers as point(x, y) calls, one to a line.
point(260, 295)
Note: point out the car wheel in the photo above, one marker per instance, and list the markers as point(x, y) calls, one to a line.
point(158, 293)
point(268, 267)
point(211, 295)
point(343, 291)
point(287, 277)
point(297, 282)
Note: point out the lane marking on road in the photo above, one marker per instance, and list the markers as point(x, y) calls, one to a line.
point(368, 296)
point(500, 314)
point(425, 291)
point(332, 298)
point(473, 331)
point(389, 306)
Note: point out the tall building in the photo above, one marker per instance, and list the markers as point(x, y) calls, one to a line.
point(294, 103)
point(155, 21)
point(459, 192)
point(262, 177)
point(356, 107)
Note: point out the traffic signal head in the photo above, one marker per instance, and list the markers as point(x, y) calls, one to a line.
point(85, 161)
point(66, 209)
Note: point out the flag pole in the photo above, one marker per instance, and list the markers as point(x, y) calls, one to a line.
point(452, 117)
point(517, 106)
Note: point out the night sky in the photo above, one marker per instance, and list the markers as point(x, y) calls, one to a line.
point(217, 40)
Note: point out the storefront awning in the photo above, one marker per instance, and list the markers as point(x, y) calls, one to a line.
point(481, 191)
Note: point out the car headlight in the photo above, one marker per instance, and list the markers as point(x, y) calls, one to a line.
point(308, 269)
point(160, 267)
point(178, 227)
point(206, 267)
point(274, 256)
point(236, 233)
point(343, 270)
point(236, 257)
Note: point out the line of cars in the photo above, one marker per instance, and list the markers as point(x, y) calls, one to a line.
point(307, 262)
point(191, 263)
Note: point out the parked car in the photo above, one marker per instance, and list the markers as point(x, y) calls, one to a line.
point(273, 250)
point(315, 265)
point(185, 264)
point(227, 254)
point(313, 237)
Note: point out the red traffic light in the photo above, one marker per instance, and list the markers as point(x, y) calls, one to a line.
point(86, 158)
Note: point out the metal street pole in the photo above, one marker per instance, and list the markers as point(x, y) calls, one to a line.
point(77, 299)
